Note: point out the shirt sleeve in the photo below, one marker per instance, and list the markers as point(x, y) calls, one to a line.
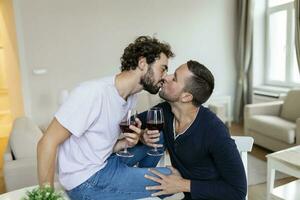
point(80, 110)
point(232, 183)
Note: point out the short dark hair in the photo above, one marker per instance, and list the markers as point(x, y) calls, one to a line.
point(201, 84)
point(144, 46)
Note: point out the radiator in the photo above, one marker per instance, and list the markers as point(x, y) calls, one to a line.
point(266, 96)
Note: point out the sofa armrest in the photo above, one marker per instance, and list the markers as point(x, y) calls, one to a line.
point(268, 108)
point(7, 154)
point(298, 131)
point(25, 163)
point(20, 173)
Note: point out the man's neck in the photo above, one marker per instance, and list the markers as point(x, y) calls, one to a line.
point(184, 115)
point(128, 83)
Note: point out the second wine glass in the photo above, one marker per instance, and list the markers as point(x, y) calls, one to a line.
point(155, 121)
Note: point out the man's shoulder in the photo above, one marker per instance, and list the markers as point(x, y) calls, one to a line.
point(208, 116)
point(165, 106)
point(213, 123)
point(96, 85)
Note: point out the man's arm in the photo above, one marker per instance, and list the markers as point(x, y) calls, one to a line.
point(120, 144)
point(46, 151)
point(169, 184)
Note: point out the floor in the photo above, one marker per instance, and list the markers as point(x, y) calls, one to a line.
point(256, 192)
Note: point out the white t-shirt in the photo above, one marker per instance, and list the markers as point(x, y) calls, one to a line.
point(92, 114)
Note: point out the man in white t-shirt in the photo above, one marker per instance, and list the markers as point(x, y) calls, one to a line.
point(85, 130)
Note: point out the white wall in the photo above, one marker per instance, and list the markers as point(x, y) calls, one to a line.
point(259, 50)
point(78, 40)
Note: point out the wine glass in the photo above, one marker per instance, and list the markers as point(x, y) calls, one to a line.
point(155, 121)
point(129, 119)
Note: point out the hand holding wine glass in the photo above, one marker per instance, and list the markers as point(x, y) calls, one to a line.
point(131, 136)
point(155, 121)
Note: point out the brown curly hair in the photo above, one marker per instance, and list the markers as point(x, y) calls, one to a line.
point(143, 46)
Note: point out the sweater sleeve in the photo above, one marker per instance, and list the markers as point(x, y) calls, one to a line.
point(143, 117)
point(232, 182)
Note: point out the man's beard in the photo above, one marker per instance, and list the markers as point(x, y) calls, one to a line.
point(166, 97)
point(148, 83)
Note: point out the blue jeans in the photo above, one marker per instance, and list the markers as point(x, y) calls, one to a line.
point(119, 180)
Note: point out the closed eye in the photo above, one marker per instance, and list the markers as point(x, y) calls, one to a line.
point(164, 68)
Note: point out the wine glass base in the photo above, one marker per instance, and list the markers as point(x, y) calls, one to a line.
point(125, 154)
point(154, 152)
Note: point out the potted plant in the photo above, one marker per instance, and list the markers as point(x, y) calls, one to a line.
point(43, 193)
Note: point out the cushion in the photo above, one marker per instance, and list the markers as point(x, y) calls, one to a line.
point(273, 127)
point(291, 106)
point(24, 138)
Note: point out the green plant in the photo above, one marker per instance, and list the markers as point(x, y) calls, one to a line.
point(43, 193)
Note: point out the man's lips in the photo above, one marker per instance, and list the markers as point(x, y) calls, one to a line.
point(162, 84)
point(159, 84)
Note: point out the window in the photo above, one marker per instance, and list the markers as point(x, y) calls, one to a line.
point(281, 63)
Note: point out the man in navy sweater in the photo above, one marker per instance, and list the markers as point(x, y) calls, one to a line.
point(206, 162)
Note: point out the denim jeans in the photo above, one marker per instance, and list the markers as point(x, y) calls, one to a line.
point(119, 179)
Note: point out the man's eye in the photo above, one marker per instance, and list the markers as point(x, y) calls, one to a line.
point(164, 70)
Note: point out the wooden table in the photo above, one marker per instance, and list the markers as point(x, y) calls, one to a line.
point(288, 162)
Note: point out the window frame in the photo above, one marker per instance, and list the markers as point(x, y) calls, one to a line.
point(290, 34)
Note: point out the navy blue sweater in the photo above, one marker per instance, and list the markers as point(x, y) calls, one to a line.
point(206, 155)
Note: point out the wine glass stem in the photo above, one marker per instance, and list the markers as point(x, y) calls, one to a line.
point(155, 148)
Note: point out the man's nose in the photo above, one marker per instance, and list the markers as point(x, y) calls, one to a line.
point(167, 78)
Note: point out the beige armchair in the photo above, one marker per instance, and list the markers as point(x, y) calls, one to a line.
point(274, 125)
point(20, 167)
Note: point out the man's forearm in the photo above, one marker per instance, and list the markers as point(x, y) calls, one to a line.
point(46, 156)
point(120, 144)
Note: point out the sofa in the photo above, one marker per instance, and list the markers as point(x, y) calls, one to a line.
point(19, 163)
point(274, 125)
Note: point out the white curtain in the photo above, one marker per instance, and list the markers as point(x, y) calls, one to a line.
point(244, 57)
point(297, 30)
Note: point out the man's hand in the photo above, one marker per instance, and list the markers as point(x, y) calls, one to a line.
point(133, 138)
point(130, 139)
point(150, 137)
point(169, 184)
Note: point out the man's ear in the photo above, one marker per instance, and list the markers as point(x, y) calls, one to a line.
point(142, 63)
point(187, 97)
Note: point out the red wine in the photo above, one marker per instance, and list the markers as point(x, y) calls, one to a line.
point(151, 125)
point(125, 127)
